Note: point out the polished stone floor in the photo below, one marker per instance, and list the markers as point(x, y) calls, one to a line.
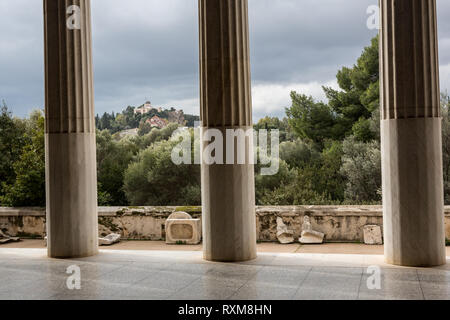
point(179, 275)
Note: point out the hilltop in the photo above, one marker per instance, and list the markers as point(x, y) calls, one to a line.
point(143, 118)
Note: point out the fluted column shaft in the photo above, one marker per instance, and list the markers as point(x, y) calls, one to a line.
point(228, 192)
point(411, 134)
point(71, 179)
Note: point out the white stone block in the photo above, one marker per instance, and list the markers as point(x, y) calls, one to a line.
point(181, 228)
point(284, 235)
point(109, 240)
point(373, 235)
point(309, 236)
point(312, 237)
point(5, 238)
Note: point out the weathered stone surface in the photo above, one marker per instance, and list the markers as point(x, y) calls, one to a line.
point(411, 134)
point(312, 237)
point(284, 235)
point(109, 240)
point(339, 223)
point(179, 215)
point(70, 154)
point(182, 229)
point(5, 239)
point(309, 236)
point(228, 191)
point(373, 235)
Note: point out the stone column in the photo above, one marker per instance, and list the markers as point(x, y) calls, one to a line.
point(411, 134)
point(71, 179)
point(228, 192)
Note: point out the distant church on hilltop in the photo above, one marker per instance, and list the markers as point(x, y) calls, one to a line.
point(160, 119)
point(146, 108)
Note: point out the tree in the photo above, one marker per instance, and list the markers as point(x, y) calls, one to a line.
point(359, 94)
point(363, 130)
point(105, 121)
point(156, 135)
point(274, 123)
point(153, 179)
point(131, 118)
point(300, 191)
point(28, 188)
point(12, 139)
point(311, 178)
point(144, 128)
point(113, 158)
point(312, 120)
point(362, 169)
point(329, 180)
point(104, 199)
point(349, 110)
point(266, 184)
point(298, 153)
point(191, 120)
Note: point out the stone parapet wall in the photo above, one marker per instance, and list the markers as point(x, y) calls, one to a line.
point(339, 223)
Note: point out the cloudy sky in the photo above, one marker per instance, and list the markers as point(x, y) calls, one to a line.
point(148, 49)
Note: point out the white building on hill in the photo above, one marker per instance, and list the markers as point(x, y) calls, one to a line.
point(146, 108)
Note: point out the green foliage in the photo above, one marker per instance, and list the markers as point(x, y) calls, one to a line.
point(359, 94)
point(28, 188)
point(144, 128)
point(362, 168)
point(113, 158)
point(191, 120)
point(335, 158)
point(329, 180)
point(312, 120)
point(362, 130)
point(316, 180)
point(300, 191)
point(12, 139)
point(349, 110)
point(273, 123)
point(156, 135)
point(103, 197)
point(298, 153)
point(153, 179)
point(129, 120)
point(265, 184)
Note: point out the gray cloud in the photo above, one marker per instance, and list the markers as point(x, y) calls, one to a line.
point(148, 49)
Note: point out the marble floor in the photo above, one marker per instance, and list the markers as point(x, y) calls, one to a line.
point(182, 275)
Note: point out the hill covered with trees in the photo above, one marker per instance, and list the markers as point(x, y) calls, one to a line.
point(129, 119)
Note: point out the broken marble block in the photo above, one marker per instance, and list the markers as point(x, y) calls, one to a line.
point(373, 235)
point(5, 239)
point(181, 228)
point(109, 240)
point(284, 235)
point(309, 236)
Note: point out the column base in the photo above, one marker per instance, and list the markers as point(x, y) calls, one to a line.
point(71, 183)
point(228, 197)
point(413, 202)
point(229, 220)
